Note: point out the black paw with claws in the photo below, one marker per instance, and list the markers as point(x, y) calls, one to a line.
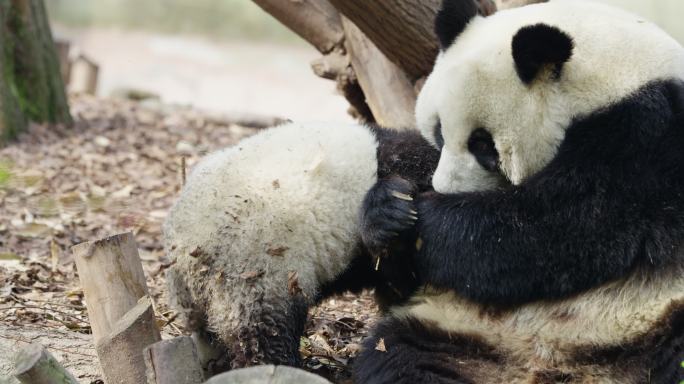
point(388, 210)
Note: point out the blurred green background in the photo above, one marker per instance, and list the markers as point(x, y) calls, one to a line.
point(215, 19)
point(242, 19)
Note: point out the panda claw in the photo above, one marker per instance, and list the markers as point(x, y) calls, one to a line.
point(413, 217)
point(413, 212)
point(402, 196)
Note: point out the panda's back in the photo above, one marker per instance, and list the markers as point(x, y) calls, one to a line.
point(287, 197)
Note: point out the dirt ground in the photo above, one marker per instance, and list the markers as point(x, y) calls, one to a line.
point(116, 170)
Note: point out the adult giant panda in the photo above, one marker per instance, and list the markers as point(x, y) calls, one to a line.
point(553, 248)
point(264, 229)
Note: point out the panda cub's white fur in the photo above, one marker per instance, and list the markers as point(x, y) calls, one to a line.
point(283, 201)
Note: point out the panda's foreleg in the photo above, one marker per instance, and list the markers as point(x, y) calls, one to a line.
point(388, 218)
point(259, 324)
point(408, 351)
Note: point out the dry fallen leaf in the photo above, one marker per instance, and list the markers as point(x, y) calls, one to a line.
point(251, 275)
point(278, 251)
point(380, 346)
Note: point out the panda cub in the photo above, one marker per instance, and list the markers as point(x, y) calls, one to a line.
point(264, 229)
point(553, 248)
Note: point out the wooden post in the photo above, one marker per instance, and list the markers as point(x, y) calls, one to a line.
point(173, 361)
point(84, 75)
point(119, 308)
point(35, 365)
point(112, 279)
point(121, 350)
point(63, 50)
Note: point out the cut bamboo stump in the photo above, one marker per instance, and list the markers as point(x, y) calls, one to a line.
point(35, 365)
point(84, 75)
point(173, 361)
point(112, 279)
point(268, 374)
point(121, 351)
point(120, 310)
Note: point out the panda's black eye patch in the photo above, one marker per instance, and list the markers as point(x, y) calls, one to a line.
point(439, 139)
point(481, 145)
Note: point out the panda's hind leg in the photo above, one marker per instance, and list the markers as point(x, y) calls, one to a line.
point(261, 326)
point(407, 351)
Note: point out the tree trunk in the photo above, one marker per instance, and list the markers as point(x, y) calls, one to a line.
point(31, 79)
point(401, 29)
point(378, 51)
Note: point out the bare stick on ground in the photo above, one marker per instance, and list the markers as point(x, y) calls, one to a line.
point(121, 351)
point(35, 365)
point(173, 361)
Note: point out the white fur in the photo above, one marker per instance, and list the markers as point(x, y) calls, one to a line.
point(543, 336)
point(295, 190)
point(474, 85)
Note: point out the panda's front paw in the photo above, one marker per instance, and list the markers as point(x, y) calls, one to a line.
point(388, 210)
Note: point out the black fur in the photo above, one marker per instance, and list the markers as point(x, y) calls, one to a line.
point(405, 154)
point(416, 352)
point(402, 155)
point(536, 46)
point(275, 339)
point(611, 200)
point(481, 145)
point(406, 162)
point(452, 19)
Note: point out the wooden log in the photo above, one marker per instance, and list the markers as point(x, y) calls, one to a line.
point(401, 29)
point(173, 361)
point(316, 21)
point(112, 278)
point(35, 365)
point(121, 350)
point(268, 374)
point(389, 92)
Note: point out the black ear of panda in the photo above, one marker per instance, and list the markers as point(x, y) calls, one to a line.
point(539, 45)
point(452, 19)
